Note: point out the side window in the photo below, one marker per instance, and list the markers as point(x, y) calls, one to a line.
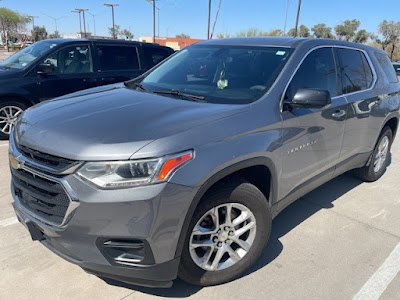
point(71, 60)
point(386, 65)
point(154, 55)
point(354, 75)
point(368, 71)
point(317, 71)
point(397, 69)
point(118, 58)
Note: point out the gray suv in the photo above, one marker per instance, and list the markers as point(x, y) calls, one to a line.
point(180, 172)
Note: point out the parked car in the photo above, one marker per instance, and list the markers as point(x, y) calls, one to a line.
point(180, 171)
point(396, 66)
point(52, 68)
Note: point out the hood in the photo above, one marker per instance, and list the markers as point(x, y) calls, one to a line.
point(110, 123)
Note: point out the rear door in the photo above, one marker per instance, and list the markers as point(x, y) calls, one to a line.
point(365, 110)
point(73, 71)
point(312, 138)
point(117, 62)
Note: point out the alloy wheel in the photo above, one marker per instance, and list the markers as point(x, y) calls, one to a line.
point(222, 236)
point(381, 154)
point(8, 116)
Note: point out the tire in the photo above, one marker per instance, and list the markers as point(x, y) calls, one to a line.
point(9, 107)
point(239, 195)
point(373, 171)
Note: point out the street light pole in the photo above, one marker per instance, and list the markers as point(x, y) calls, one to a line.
point(297, 19)
point(55, 20)
point(287, 9)
point(80, 23)
point(113, 22)
point(94, 22)
point(209, 19)
point(154, 21)
point(33, 25)
point(84, 20)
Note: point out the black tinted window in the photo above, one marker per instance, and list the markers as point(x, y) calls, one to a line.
point(154, 55)
point(397, 69)
point(386, 66)
point(368, 72)
point(354, 76)
point(114, 58)
point(317, 71)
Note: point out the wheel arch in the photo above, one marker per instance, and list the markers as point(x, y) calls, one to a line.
point(17, 97)
point(254, 170)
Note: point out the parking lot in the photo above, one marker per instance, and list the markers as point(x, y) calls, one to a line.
point(337, 242)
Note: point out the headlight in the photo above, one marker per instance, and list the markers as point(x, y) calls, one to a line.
point(122, 174)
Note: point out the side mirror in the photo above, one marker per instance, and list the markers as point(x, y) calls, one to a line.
point(45, 68)
point(309, 98)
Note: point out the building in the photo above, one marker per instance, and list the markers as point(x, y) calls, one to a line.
point(174, 43)
point(79, 35)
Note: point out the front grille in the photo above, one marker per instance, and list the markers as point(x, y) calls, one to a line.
point(43, 197)
point(46, 160)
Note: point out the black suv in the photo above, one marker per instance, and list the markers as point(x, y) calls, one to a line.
point(56, 67)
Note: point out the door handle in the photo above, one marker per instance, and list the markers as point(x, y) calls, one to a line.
point(339, 113)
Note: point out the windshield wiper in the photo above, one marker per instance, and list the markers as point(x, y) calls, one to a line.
point(178, 93)
point(140, 86)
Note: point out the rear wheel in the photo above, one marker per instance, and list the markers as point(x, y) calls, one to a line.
point(9, 112)
point(379, 159)
point(227, 234)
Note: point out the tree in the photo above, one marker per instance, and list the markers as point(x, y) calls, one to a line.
point(390, 31)
point(183, 36)
point(223, 35)
point(55, 35)
point(361, 36)
point(347, 30)
point(11, 23)
point(303, 31)
point(257, 32)
point(126, 34)
point(39, 33)
point(321, 31)
point(116, 31)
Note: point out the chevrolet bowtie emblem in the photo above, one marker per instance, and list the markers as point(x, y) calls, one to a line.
point(15, 164)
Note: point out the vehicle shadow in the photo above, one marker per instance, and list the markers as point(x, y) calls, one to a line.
point(321, 198)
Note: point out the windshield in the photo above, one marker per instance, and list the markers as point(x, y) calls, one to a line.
point(24, 58)
point(219, 74)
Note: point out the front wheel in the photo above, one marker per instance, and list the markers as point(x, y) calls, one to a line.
point(9, 112)
point(227, 234)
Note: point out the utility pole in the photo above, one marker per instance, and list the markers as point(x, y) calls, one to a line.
point(209, 19)
point(80, 23)
point(33, 26)
point(287, 9)
point(113, 22)
point(297, 19)
point(82, 10)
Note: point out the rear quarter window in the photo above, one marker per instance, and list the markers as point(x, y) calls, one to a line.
point(386, 66)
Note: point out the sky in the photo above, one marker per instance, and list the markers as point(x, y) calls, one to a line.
point(190, 16)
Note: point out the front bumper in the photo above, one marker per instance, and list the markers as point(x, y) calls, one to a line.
point(153, 215)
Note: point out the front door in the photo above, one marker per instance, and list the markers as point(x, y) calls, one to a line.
point(312, 138)
point(73, 71)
